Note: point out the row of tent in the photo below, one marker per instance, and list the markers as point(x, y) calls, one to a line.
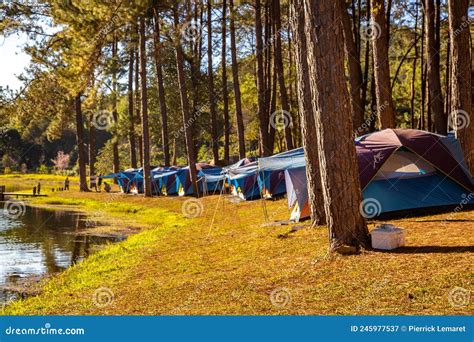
point(175, 180)
point(399, 169)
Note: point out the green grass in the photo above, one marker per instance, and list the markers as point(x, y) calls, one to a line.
point(36, 177)
point(227, 262)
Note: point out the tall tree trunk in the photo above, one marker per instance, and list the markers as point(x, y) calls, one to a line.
point(389, 19)
point(268, 43)
point(354, 23)
point(285, 104)
point(367, 59)
point(373, 104)
point(262, 110)
point(433, 71)
point(355, 70)
point(175, 152)
point(428, 115)
point(144, 97)
point(297, 138)
point(210, 85)
point(422, 124)
point(271, 80)
point(188, 134)
point(331, 104)
point(92, 147)
point(308, 125)
point(225, 92)
point(81, 159)
point(161, 90)
point(114, 104)
point(272, 109)
point(383, 89)
point(413, 78)
point(461, 86)
point(235, 78)
point(447, 84)
point(138, 101)
point(131, 116)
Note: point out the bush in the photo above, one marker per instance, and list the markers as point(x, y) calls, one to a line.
point(43, 169)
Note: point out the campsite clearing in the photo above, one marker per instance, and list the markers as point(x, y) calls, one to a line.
point(179, 265)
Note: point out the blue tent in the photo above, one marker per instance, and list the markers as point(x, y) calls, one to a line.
point(165, 181)
point(128, 180)
point(210, 179)
point(399, 170)
point(271, 171)
point(243, 181)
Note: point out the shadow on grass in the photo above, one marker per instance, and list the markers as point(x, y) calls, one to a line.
point(430, 249)
point(444, 221)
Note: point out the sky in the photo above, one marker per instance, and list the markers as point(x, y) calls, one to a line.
point(12, 60)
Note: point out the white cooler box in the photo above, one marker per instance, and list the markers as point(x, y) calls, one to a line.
point(387, 237)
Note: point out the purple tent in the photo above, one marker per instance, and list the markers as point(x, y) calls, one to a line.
point(402, 169)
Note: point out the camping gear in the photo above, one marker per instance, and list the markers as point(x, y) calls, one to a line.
point(265, 177)
point(165, 180)
point(183, 179)
point(129, 180)
point(297, 193)
point(271, 171)
point(211, 181)
point(243, 181)
point(387, 237)
point(401, 169)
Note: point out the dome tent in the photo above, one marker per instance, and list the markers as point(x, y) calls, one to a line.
point(399, 169)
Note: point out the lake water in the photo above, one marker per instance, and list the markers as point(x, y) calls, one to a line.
point(37, 242)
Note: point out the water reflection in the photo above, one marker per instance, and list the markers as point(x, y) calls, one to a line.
point(41, 242)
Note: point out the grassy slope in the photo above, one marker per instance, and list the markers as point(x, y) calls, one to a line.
point(177, 265)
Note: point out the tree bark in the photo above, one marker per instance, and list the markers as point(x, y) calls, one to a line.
point(355, 70)
point(268, 43)
point(235, 78)
point(175, 153)
point(461, 86)
point(389, 19)
point(161, 90)
point(413, 78)
point(383, 87)
point(262, 109)
point(373, 104)
point(308, 125)
point(144, 98)
point(210, 85)
point(138, 101)
point(114, 104)
point(337, 155)
point(92, 147)
point(270, 77)
point(272, 109)
point(367, 60)
point(433, 71)
point(131, 116)
point(285, 103)
point(447, 84)
point(81, 159)
point(188, 134)
point(225, 92)
point(421, 124)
